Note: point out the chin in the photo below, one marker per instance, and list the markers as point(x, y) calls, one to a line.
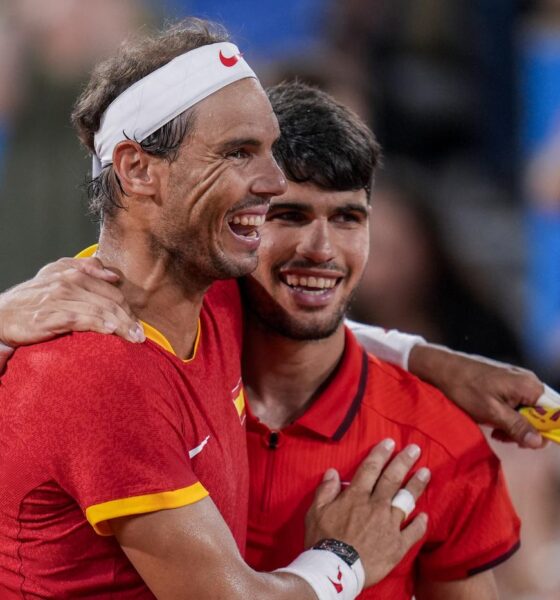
point(231, 268)
point(303, 329)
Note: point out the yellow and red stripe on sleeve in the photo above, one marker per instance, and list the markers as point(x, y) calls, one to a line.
point(99, 515)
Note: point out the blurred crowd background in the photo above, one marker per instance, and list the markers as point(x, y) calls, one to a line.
point(465, 100)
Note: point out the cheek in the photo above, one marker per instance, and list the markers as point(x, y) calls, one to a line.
point(356, 251)
point(206, 192)
point(276, 239)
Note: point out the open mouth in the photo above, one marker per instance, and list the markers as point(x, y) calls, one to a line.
point(311, 285)
point(246, 225)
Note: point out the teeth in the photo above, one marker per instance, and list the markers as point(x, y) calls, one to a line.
point(253, 220)
point(311, 282)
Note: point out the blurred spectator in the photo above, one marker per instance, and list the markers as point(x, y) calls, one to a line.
point(10, 79)
point(540, 70)
point(267, 30)
point(411, 282)
point(440, 76)
point(42, 208)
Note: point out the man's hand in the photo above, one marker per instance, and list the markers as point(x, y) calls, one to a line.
point(486, 390)
point(67, 295)
point(362, 515)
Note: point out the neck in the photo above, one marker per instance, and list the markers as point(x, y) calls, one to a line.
point(152, 287)
point(288, 374)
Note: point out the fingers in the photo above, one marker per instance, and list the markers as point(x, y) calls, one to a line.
point(392, 478)
point(516, 427)
point(91, 266)
point(528, 387)
point(369, 471)
point(99, 315)
point(414, 532)
point(328, 489)
point(418, 482)
point(415, 487)
point(100, 293)
point(94, 267)
point(62, 264)
point(77, 301)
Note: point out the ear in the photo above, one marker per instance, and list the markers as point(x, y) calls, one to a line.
point(138, 172)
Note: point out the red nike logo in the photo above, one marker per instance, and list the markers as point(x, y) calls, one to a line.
point(228, 61)
point(337, 586)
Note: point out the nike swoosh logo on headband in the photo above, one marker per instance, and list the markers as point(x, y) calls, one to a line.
point(228, 61)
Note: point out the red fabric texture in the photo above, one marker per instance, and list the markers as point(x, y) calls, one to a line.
point(472, 522)
point(86, 419)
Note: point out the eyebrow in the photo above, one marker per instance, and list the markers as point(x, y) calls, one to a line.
point(239, 142)
point(308, 207)
point(291, 206)
point(353, 207)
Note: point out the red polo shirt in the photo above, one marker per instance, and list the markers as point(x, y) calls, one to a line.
point(93, 427)
point(472, 525)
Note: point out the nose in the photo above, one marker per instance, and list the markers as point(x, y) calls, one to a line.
point(315, 243)
point(270, 180)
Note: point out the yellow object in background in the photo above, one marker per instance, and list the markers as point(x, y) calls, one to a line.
point(545, 415)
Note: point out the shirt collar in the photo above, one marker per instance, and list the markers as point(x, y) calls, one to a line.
point(333, 411)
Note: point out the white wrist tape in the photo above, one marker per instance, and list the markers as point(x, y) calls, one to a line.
point(549, 398)
point(164, 94)
point(329, 576)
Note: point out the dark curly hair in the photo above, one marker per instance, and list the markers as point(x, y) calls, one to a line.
point(135, 59)
point(321, 141)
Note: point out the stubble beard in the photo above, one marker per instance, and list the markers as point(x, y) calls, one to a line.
point(193, 264)
point(269, 315)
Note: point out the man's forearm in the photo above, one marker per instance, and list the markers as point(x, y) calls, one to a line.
point(487, 390)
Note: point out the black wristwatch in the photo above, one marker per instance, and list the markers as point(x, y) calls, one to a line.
point(344, 551)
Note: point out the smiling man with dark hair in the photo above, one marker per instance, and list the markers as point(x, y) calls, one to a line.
point(316, 399)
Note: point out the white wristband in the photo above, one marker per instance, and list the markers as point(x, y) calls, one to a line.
point(329, 576)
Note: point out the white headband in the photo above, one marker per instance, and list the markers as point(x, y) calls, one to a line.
point(164, 94)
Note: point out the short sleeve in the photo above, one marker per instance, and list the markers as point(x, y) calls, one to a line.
point(117, 445)
point(473, 526)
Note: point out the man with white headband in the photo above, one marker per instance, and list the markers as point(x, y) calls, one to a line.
point(124, 467)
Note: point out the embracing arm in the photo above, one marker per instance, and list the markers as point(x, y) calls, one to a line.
point(488, 391)
point(160, 545)
point(189, 552)
point(481, 587)
point(67, 295)
point(81, 295)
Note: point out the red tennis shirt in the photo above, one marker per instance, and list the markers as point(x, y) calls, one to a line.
point(472, 525)
point(93, 427)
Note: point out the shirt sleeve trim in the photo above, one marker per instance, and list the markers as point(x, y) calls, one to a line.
point(494, 563)
point(98, 515)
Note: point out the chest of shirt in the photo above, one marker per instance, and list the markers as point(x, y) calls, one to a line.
point(285, 472)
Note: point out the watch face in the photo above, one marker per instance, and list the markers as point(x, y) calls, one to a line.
point(344, 551)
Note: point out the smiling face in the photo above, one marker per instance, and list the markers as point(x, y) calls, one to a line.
point(217, 192)
point(314, 249)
